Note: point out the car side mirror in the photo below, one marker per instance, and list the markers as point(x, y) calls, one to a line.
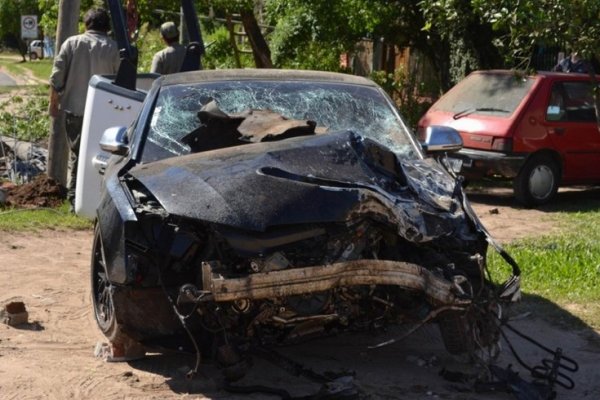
point(114, 140)
point(441, 139)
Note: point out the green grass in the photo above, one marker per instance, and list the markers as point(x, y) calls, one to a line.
point(14, 65)
point(41, 68)
point(7, 89)
point(12, 219)
point(563, 268)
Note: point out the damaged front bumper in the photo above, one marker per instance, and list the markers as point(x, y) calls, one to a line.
point(283, 283)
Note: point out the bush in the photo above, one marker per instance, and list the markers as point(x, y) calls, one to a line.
point(220, 53)
point(404, 89)
point(148, 43)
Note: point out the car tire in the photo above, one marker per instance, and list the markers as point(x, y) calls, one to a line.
point(102, 294)
point(33, 56)
point(455, 332)
point(537, 182)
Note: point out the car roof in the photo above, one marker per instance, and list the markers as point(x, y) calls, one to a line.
point(540, 74)
point(263, 74)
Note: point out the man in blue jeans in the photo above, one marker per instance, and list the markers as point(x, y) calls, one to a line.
point(80, 57)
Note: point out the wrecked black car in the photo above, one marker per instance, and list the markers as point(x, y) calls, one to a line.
point(271, 206)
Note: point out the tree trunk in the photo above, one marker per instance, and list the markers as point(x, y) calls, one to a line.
point(58, 150)
point(236, 50)
point(390, 58)
point(260, 48)
point(184, 36)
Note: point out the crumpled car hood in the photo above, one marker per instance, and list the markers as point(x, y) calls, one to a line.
point(307, 180)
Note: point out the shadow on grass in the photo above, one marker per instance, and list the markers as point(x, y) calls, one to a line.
point(569, 200)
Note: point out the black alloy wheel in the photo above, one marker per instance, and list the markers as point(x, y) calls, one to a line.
point(102, 292)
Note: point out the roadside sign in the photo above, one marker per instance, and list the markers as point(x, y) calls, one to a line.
point(29, 27)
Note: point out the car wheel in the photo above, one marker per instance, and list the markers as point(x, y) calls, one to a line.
point(472, 334)
point(456, 334)
point(102, 293)
point(33, 56)
point(537, 182)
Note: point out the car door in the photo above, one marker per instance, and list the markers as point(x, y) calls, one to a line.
point(571, 124)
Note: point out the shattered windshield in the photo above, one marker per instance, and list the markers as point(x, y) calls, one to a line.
point(182, 113)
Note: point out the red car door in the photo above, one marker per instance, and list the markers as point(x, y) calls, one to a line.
point(571, 124)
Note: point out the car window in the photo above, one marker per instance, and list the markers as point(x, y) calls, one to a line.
point(571, 102)
point(332, 106)
point(486, 94)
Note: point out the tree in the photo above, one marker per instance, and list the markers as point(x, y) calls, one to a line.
point(48, 10)
point(246, 10)
point(155, 12)
point(10, 21)
point(310, 32)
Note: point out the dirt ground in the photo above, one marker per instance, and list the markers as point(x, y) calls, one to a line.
point(52, 357)
point(40, 192)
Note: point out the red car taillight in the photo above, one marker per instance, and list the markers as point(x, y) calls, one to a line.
point(502, 144)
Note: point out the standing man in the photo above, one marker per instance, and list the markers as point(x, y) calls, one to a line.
point(80, 57)
point(170, 59)
point(573, 63)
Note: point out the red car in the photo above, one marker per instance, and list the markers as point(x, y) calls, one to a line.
point(540, 131)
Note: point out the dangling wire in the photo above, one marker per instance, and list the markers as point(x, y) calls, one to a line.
point(163, 243)
point(550, 368)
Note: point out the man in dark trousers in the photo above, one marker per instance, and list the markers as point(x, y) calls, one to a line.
point(80, 57)
point(170, 59)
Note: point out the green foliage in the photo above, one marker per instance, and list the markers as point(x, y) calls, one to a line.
point(317, 56)
point(306, 31)
point(40, 69)
point(49, 16)
point(48, 11)
point(25, 117)
point(519, 26)
point(227, 5)
point(404, 89)
point(10, 21)
point(219, 53)
point(45, 218)
point(469, 38)
point(149, 14)
point(10, 16)
point(148, 43)
point(462, 59)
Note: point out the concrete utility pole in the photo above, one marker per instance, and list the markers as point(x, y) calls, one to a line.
point(58, 150)
point(184, 37)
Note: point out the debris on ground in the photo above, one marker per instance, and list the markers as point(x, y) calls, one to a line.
point(110, 352)
point(21, 161)
point(42, 191)
point(14, 314)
